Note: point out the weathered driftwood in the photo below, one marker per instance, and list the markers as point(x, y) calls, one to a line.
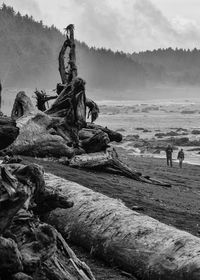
point(135, 242)
point(41, 99)
point(69, 72)
point(93, 109)
point(19, 185)
point(58, 135)
point(30, 249)
point(113, 135)
point(37, 137)
point(8, 132)
point(70, 104)
point(43, 253)
point(109, 160)
point(22, 106)
point(55, 132)
point(92, 140)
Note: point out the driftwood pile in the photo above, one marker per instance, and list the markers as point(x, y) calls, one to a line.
point(62, 131)
point(29, 248)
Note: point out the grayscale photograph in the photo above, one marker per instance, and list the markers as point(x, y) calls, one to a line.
point(99, 139)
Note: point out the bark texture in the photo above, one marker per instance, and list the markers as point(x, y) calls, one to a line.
point(8, 132)
point(29, 248)
point(135, 242)
point(41, 99)
point(109, 160)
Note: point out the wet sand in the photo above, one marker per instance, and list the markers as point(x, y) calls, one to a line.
point(178, 206)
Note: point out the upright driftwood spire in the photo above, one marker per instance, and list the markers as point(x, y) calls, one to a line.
point(68, 72)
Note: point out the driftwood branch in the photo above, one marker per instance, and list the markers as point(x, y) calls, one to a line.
point(68, 72)
point(110, 161)
point(41, 99)
point(93, 109)
point(30, 249)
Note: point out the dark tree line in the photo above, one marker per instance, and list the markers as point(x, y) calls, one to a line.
point(29, 50)
point(179, 66)
point(28, 57)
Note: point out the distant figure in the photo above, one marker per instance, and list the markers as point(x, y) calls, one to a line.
point(169, 152)
point(181, 157)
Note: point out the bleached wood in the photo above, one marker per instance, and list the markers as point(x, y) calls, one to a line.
point(137, 243)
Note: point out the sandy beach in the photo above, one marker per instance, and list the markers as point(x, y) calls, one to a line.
point(178, 206)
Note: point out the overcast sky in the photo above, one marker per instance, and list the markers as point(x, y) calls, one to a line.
point(128, 25)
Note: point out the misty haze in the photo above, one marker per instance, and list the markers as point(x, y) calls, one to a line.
point(99, 139)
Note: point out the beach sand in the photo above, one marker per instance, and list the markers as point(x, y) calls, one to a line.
point(178, 206)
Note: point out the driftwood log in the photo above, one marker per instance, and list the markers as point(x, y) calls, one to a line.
point(109, 161)
point(8, 132)
point(51, 133)
point(44, 135)
point(134, 242)
point(29, 248)
point(62, 130)
point(57, 132)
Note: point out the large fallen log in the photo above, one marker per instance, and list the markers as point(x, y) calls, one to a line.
point(30, 249)
point(135, 242)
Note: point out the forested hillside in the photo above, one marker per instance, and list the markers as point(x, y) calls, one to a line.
point(175, 66)
point(29, 51)
point(29, 58)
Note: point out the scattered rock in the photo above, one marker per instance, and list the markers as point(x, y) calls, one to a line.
point(194, 150)
point(146, 130)
point(180, 129)
point(139, 128)
point(131, 137)
point(121, 129)
point(145, 110)
point(171, 133)
point(137, 208)
point(180, 141)
point(157, 151)
point(160, 135)
point(188, 111)
point(195, 132)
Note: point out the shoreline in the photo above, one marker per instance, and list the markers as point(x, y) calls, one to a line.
point(177, 206)
point(155, 156)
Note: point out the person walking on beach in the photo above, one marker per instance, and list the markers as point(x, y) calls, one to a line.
point(181, 157)
point(169, 152)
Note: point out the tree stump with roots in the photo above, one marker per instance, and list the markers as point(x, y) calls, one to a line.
point(29, 248)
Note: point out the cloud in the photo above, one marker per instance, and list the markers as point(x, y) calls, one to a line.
point(128, 25)
point(30, 7)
